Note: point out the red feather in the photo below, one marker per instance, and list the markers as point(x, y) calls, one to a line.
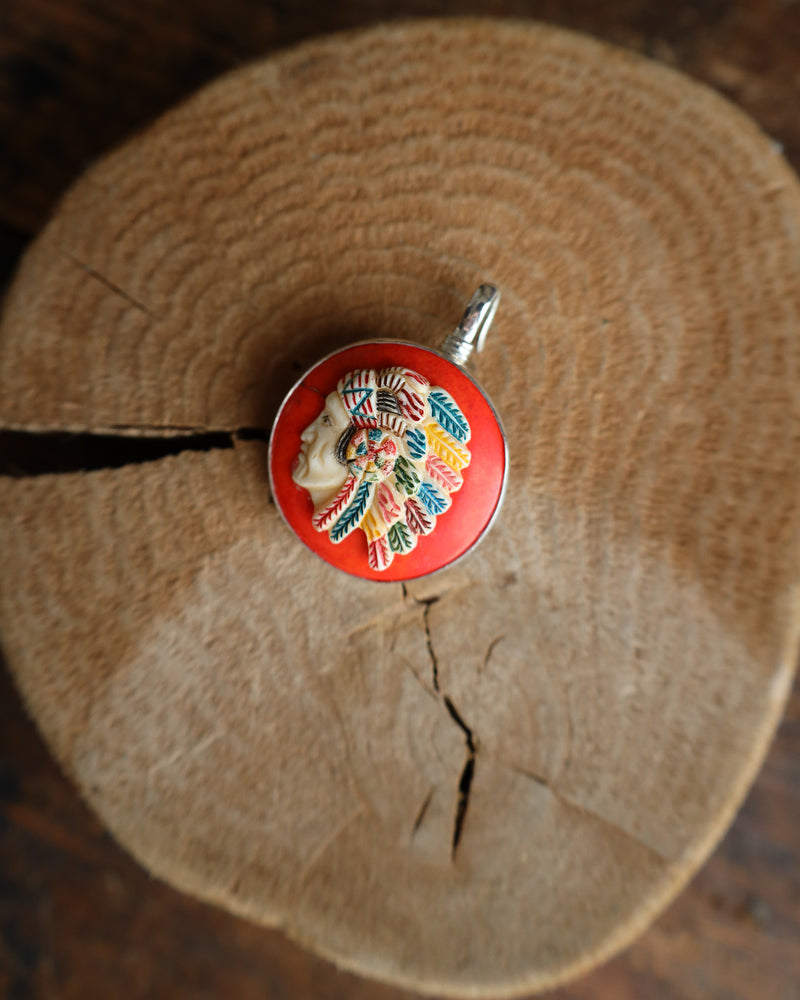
point(421, 381)
point(380, 553)
point(387, 505)
point(441, 473)
point(324, 518)
point(418, 520)
point(412, 405)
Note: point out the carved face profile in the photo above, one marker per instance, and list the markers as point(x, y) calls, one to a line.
point(384, 455)
point(317, 467)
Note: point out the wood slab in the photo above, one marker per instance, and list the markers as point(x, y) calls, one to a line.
point(485, 783)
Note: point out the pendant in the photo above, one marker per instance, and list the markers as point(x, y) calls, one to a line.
point(387, 459)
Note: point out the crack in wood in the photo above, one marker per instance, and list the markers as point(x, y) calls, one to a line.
point(428, 691)
point(25, 454)
point(467, 773)
point(393, 615)
point(531, 775)
point(176, 430)
point(571, 803)
point(490, 649)
point(468, 770)
point(422, 810)
point(12, 243)
point(426, 625)
point(464, 786)
point(110, 285)
point(327, 843)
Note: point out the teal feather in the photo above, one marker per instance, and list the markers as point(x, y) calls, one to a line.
point(445, 410)
point(434, 501)
point(352, 516)
point(417, 442)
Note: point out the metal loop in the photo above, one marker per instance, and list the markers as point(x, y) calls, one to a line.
point(470, 334)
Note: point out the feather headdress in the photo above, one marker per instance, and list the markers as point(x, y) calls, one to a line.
point(405, 450)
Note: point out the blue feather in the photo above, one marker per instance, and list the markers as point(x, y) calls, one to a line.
point(445, 410)
point(352, 516)
point(432, 498)
point(417, 443)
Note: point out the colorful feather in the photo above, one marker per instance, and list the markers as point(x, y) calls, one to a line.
point(401, 539)
point(446, 447)
point(415, 438)
point(417, 518)
point(325, 517)
point(390, 510)
point(445, 409)
point(442, 474)
point(433, 499)
point(372, 526)
point(380, 554)
point(411, 404)
point(352, 516)
point(391, 379)
point(411, 376)
point(406, 476)
point(357, 391)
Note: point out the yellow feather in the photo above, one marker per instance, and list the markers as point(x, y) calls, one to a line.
point(373, 526)
point(446, 446)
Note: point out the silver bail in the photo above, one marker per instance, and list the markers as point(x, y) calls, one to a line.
point(470, 334)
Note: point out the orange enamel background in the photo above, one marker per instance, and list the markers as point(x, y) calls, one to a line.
point(474, 505)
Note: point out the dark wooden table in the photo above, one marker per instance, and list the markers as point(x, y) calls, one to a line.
point(78, 918)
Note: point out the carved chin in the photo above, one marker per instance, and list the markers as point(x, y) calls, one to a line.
point(299, 467)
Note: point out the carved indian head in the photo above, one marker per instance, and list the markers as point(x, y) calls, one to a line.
point(384, 455)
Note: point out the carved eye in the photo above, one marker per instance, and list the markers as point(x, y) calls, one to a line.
point(326, 420)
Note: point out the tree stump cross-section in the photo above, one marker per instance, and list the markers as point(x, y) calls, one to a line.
point(484, 782)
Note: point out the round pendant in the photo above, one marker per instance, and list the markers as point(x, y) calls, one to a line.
point(387, 459)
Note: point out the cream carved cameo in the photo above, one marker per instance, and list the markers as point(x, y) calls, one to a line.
point(385, 455)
